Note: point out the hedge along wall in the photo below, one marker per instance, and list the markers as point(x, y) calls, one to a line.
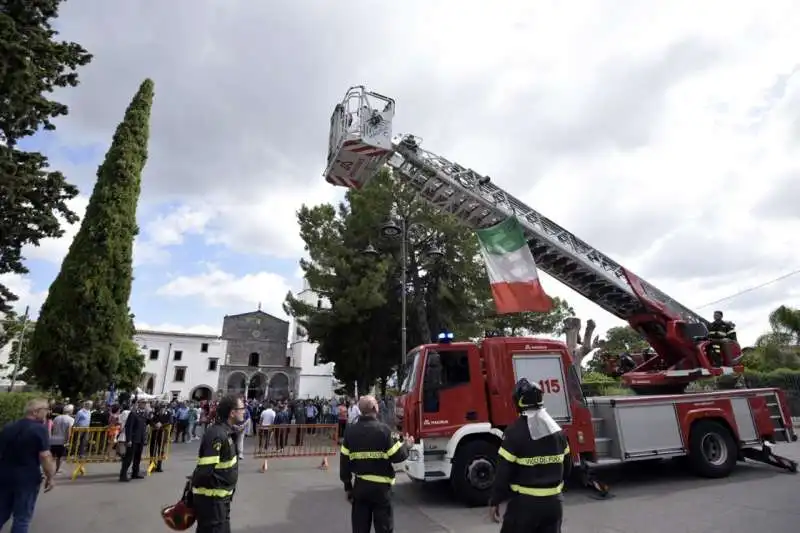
point(595, 384)
point(12, 405)
point(782, 378)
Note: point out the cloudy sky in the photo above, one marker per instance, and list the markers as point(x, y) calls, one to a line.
point(667, 137)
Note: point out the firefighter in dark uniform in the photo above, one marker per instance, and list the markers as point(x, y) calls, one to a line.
point(719, 332)
point(533, 462)
point(160, 423)
point(217, 471)
point(369, 453)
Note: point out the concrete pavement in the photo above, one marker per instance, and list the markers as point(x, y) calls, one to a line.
point(295, 497)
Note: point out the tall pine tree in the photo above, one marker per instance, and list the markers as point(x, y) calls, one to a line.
point(85, 324)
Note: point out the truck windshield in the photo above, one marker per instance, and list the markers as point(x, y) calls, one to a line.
point(410, 371)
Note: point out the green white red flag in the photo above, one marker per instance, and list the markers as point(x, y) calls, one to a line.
point(512, 269)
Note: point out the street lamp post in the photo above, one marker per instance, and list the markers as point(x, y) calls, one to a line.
point(18, 355)
point(393, 230)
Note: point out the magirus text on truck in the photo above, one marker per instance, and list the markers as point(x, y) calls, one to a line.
point(456, 398)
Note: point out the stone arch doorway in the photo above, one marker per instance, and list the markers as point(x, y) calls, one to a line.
point(150, 384)
point(279, 386)
point(201, 393)
point(257, 388)
point(237, 384)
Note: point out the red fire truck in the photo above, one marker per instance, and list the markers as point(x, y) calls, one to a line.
point(459, 409)
point(456, 398)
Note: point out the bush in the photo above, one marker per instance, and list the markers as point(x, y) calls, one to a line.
point(12, 405)
point(782, 378)
point(597, 384)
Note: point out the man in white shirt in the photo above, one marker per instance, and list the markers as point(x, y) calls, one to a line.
point(267, 419)
point(353, 413)
point(59, 434)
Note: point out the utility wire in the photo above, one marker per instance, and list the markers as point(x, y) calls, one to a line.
point(751, 289)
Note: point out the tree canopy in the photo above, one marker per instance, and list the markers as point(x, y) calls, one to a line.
point(530, 324)
point(623, 339)
point(84, 327)
point(779, 347)
point(447, 287)
point(33, 63)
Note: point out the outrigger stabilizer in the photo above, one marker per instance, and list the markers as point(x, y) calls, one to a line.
point(767, 456)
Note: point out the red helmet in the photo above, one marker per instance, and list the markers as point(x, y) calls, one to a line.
point(178, 517)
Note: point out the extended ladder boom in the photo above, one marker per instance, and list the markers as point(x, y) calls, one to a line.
point(361, 142)
point(479, 203)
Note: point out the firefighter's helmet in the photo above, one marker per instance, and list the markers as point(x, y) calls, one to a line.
point(178, 517)
point(527, 395)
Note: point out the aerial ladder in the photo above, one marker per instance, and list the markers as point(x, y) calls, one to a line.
point(361, 143)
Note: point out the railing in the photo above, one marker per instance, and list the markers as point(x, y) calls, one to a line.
point(287, 441)
point(99, 445)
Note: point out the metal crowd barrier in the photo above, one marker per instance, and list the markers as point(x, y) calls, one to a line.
point(286, 441)
point(99, 445)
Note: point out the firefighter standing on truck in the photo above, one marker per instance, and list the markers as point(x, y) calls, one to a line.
point(533, 462)
point(217, 471)
point(369, 453)
point(720, 331)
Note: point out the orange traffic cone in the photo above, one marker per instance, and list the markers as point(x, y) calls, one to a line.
point(264, 466)
point(324, 464)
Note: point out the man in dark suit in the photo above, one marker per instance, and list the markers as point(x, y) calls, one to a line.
point(135, 436)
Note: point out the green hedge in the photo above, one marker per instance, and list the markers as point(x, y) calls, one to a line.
point(781, 378)
point(12, 405)
point(595, 384)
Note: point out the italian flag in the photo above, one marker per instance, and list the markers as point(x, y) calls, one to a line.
point(512, 269)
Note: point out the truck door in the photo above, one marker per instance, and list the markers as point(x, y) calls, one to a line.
point(547, 370)
point(453, 390)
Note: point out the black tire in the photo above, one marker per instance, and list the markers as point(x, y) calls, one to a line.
point(473, 472)
point(712, 451)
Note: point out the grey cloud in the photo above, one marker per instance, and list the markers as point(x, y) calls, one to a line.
point(783, 201)
point(625, 104)
point(784, 292)
point(244, 93)
point(244, 90)
point(693, 253)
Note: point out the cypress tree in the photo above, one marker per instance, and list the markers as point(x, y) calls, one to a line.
point(85, 323)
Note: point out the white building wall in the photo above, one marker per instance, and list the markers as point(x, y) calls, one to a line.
point(6, 358)
point(315, 379)
point(168, 355)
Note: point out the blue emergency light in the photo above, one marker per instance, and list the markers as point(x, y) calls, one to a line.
point(446, 337)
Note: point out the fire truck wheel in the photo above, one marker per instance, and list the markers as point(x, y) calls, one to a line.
point(473, 472)
point(712, 450)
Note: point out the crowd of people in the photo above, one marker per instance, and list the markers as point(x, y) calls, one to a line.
point(123, 431)
point(187, 420)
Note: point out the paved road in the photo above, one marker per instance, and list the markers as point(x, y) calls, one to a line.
point(295, 497)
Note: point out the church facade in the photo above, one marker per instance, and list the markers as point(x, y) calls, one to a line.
point(256, 364)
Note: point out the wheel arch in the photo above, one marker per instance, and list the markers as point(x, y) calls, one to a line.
point(719, 418)
point(471, 432)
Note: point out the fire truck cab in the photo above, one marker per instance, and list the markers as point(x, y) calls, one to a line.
point(455, 401)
